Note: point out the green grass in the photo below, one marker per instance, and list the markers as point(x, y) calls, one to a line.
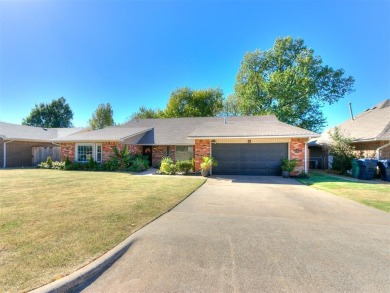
point(372, 194)
point(54, 222)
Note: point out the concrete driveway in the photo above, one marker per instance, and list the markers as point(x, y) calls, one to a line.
point(257, 234)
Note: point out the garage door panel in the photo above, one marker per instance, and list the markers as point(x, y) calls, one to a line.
point(249, 159)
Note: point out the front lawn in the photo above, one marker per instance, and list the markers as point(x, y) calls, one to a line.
point(368, 193)
point(54, 222)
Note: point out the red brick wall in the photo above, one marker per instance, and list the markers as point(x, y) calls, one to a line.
point(68, 150)
point(297, 151)
point(202, 149)
point(160, 151)
point(135, 149)
point(107, 149)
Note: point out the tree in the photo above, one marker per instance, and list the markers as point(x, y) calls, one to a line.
point(342, 150)
point(231, 106)
point(146, 113)
point(185, 102)
point(102, 117)
point(56, 114)
point(290, 82)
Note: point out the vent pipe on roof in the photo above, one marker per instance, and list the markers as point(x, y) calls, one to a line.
point(350, 110)
point(224, 119)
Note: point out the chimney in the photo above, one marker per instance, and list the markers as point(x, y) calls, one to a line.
point(350, 110)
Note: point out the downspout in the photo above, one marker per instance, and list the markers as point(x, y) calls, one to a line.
point(378, 149)
point(5, 153)
point(211, 154)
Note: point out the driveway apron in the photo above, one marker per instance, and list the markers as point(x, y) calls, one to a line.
point(257, 234)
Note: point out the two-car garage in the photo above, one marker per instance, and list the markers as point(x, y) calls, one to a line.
point(249, 158)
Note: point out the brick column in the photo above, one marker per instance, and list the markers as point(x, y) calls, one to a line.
point(297, 151)
point(202, 149)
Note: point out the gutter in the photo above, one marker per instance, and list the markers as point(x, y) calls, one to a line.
point(5, 153)
point(378, 149)
point(251, 137)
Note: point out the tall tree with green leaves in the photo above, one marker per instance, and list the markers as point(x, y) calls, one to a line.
point(185, 102)
point(56, 114)
point(231, 105)
point(147, 113)
point(102, 117)
point(290, 82)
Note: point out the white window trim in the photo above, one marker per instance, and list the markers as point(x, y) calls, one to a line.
point(101, 152)
point(94, 151)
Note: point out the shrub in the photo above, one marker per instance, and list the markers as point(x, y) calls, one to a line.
point(58, 165)
point(208, 162)
point(67, 163)
point(139, 164)
point(43, 165)
point(49, 161)
point(342, 151)
point(184, 166)
point(167, 166)
point(193, 165)
point(91, 163)
point(122, 158)
point(53, 165)
point(289, 165)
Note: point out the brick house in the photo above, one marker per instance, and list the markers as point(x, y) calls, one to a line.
point(251, 145)
point(370, 132)
point(23, 146)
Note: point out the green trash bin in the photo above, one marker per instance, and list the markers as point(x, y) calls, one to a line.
point(355, 168)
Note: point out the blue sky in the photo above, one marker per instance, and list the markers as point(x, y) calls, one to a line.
point(133, 53)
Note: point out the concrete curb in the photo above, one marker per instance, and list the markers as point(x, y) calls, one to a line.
point(98, 266)
point(88, 272)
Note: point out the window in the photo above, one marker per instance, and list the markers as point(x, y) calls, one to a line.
point(168, 152)
point(98, 153)
point(84, 153)
point(184, 152)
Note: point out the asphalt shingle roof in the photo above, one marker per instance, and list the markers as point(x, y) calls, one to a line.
point(176, 131)
point(372, 124)
point(112, 133)
point(11, 131)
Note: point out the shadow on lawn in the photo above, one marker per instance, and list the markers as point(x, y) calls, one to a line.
point(328, 178)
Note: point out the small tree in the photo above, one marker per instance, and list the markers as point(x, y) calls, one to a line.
point(342, 151)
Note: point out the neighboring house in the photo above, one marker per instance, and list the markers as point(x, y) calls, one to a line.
point(251, 145)
point(22, 146)
point(370, 132)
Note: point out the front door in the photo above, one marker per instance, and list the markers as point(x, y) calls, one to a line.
point(147, 152)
